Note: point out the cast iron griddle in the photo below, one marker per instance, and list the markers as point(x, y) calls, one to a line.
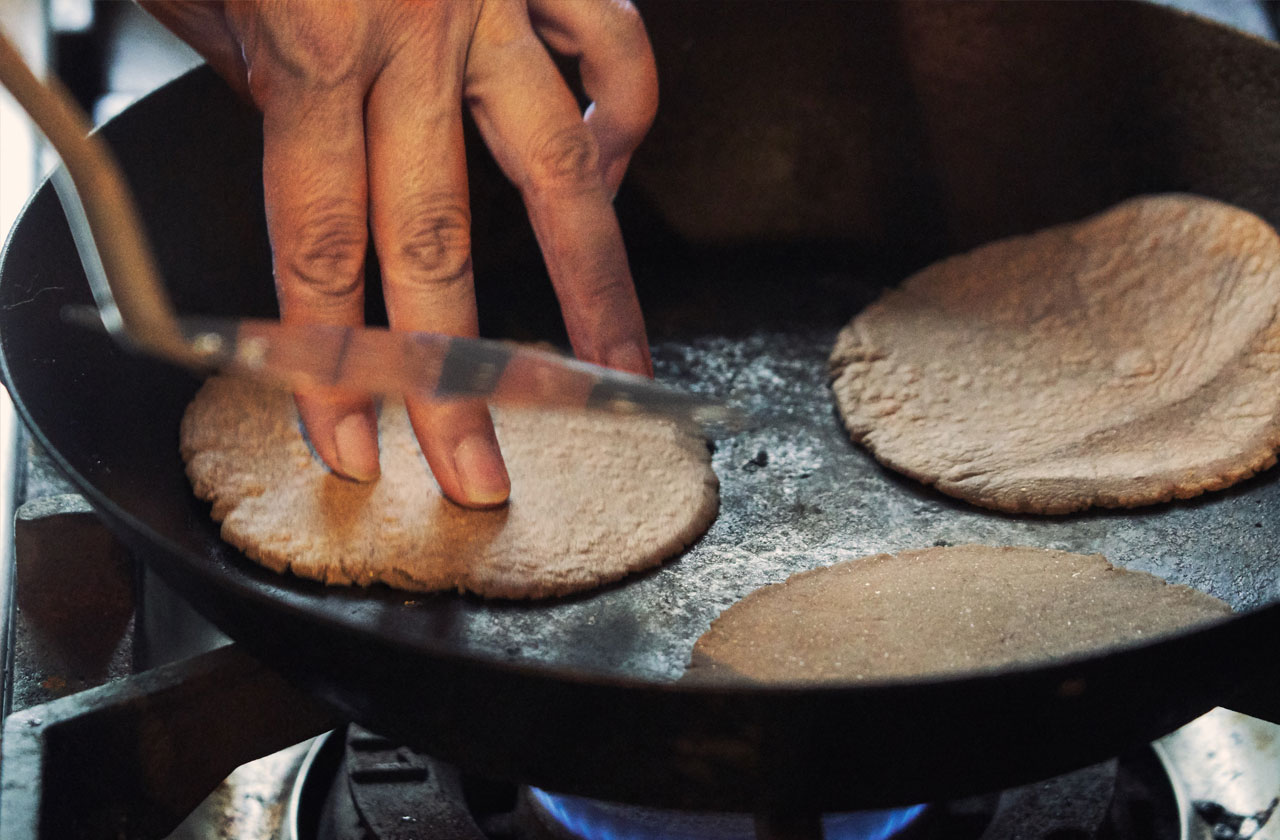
point(574, 694)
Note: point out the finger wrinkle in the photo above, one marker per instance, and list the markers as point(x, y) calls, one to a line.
point(600, 291)
point(568, 162)
point(327, 252)
point(599, 310)
point(434, 243)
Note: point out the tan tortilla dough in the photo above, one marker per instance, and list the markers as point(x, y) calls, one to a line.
point(1123, 360)
point(593, 498)
point(940, 611)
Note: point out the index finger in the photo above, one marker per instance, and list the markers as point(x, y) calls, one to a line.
point(421, 229)
point(316, 192)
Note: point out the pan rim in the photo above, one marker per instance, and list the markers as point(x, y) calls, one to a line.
point(278, 597)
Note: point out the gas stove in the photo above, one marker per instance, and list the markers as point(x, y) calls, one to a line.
point(353, 785)
point(1216, 779)
point(123, 721)
point(358, 785)
point(365, 787)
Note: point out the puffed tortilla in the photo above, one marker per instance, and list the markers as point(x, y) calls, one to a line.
point(1126, 359)
point(594, 497)
point(939, 611)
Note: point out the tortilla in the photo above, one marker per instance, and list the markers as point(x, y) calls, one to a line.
point(1127, 359)
point(940, 611)
point(594, 497)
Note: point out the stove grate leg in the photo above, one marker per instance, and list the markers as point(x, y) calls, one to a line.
point(132, 758)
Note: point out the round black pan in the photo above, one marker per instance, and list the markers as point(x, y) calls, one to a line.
point(803, 159)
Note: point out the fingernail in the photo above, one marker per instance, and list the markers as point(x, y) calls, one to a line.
point(627, 357)
point(481, 472)
point(356, 439)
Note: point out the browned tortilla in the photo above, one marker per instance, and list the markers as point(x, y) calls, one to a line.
point(938, 611)
point(593, 498)
point(1126, 359)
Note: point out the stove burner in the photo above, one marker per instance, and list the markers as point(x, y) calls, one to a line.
point(359, 786)
point(589, 819)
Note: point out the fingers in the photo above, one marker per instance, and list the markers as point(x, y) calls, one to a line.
point(530, 122)
point(324, 73)
point(421, 228)
point(203, 25)
point(316, 198)
point(618, 71)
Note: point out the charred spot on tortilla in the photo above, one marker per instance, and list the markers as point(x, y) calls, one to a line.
point(935, 611)
point(1127, 359)
point(594, 497)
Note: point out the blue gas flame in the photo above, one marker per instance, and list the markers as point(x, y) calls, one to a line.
point(589, 819)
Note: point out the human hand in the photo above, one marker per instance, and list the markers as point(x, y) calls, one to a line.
point(362, 125)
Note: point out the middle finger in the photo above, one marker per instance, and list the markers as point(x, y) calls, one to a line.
point(421, 229)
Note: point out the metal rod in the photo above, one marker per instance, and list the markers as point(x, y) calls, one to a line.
point(9, 456)
point(115, 252)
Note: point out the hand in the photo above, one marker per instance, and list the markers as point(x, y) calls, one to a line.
point(362, 127)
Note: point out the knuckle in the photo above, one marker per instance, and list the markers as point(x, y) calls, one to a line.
point(567, 161)
point(318, 46)
point(434, 245)
point(327, 254)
